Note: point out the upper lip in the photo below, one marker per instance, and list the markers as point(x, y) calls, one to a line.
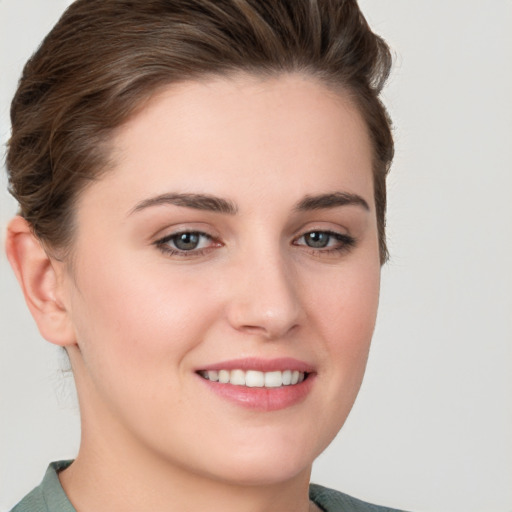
point(262, 365)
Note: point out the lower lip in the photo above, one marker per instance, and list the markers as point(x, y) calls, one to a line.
point(263, 399)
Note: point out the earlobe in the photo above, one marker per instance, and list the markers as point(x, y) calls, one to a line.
point(40, 283)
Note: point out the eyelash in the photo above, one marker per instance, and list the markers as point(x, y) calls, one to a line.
point(344, 243)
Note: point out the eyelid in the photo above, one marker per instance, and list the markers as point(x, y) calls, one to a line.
point(173, 229)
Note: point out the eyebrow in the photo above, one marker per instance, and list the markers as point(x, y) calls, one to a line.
point(332, 200)
point(197, 201)
point(219, 205)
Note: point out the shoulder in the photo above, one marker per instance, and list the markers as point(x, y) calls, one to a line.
point(49, 495)
point(330, 500)
point(32, 502)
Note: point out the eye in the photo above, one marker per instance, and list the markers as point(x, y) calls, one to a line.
point(317, 239)
point(326, 241)
point(186, 243)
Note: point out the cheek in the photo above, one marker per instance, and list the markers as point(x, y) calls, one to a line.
point(342, 311)
point(348, 308)
point(136, 318)
point(345, 316)
point(136, 330)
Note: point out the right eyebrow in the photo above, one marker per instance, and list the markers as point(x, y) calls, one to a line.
point(196, 201)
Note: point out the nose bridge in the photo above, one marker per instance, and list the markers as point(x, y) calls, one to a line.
point(264, 296)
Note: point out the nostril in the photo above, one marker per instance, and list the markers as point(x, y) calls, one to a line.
point(270, 332)
point(251, 329)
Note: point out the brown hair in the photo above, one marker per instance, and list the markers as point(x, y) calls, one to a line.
point(105, 57)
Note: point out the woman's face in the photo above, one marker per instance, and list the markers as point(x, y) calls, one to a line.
point(234, 239)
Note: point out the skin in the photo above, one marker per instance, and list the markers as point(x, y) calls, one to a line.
point(139, 322)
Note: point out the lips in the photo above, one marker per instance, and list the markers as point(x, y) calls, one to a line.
point(264, 385)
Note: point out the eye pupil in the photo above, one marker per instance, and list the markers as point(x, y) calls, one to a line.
point(186, 241)
point(317, 239)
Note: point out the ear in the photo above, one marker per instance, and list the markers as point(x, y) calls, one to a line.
point(41, 280)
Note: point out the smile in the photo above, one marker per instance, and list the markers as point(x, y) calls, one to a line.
point(255, 378)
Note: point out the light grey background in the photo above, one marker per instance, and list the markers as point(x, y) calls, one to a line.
point(432, 427)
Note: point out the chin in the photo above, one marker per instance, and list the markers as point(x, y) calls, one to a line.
point(266, 471)
point(266, 463)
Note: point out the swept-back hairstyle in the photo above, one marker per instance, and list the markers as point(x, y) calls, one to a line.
point(104, 58)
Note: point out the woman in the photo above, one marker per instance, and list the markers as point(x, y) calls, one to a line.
point(202, 202)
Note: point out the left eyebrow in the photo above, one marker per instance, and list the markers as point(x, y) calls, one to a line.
point(332, 200)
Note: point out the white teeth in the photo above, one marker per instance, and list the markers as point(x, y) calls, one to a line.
point(254, 378)
point(237, 377)
point(224, 376)
point(273, 379)
point(287, 377)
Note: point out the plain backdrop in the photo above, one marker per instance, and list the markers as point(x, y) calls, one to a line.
point(432, 427)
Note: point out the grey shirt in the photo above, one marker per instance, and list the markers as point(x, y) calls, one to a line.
point(49, 496)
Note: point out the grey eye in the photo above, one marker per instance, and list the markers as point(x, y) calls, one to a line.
point(317, 239)
point(186, 241)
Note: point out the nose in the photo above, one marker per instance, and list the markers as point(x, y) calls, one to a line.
point(263, 297)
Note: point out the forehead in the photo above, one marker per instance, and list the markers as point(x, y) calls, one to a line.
point(242, 133)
